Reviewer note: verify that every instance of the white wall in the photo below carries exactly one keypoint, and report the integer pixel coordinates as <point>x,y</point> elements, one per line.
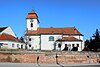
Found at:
<point>69,42</point>
<point>42,42</point>
<point>46,44</point>
<point>35,42</point>
<point>9,31</point>
<point>35,24</point>
<point>8,45</point>
<point>79,37</point>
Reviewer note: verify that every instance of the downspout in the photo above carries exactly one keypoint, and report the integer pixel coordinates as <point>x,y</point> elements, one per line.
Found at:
<point>81,45</point>
<point>40,41</point>
<point>61,41</point>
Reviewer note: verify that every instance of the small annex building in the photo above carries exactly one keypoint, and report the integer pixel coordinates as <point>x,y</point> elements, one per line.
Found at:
<point>8,39</point>
<point>37,38</point>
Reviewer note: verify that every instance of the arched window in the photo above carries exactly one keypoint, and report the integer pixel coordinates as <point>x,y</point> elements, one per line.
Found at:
<point>51,38</point>
<point>31,24</point>
<point>59,45</point>
<point>77,45</point>
<point>29,39</point>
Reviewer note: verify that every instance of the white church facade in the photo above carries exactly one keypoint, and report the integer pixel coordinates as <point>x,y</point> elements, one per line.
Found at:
<point>37,38</point>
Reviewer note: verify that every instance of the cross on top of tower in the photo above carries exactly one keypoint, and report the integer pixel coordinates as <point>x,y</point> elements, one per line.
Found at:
<point>32,11</point>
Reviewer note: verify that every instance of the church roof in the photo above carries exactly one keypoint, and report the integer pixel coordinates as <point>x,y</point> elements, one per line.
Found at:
<point>8,37</point>
<point>70,38</point>
<point>68,31</point>
<point>2,28</point>
<point>31,15</point>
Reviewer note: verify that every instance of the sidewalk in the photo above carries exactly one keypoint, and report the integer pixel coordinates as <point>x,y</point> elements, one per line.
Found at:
<point>46,65</point>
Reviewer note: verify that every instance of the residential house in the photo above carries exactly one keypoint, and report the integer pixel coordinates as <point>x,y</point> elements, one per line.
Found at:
<point>8,39</point>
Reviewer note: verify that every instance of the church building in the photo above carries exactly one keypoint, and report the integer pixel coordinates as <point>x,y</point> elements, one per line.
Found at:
<point>37,38</point>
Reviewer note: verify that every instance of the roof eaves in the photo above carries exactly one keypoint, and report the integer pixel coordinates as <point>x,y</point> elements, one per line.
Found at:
<point>2,28</point>
<point>68,40</point>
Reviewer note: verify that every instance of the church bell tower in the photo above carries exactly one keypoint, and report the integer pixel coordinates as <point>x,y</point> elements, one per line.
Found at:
<point>32,21</point>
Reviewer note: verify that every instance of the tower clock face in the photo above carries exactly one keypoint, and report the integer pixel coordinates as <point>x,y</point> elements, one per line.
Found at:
<point>31,20</point>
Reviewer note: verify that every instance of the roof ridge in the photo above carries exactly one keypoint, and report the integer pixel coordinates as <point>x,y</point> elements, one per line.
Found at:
<point>57,27</point>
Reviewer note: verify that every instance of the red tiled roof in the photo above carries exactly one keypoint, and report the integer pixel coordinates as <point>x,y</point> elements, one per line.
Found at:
<point>8,37</point>
<point>68,31</point>
<point>31,15</point>
<point>70,38</point>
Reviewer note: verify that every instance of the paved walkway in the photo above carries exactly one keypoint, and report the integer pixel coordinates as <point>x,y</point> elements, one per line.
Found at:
<point>46,65</point>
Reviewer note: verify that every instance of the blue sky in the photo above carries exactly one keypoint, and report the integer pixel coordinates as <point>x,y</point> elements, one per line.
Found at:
<point>83,14</point>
